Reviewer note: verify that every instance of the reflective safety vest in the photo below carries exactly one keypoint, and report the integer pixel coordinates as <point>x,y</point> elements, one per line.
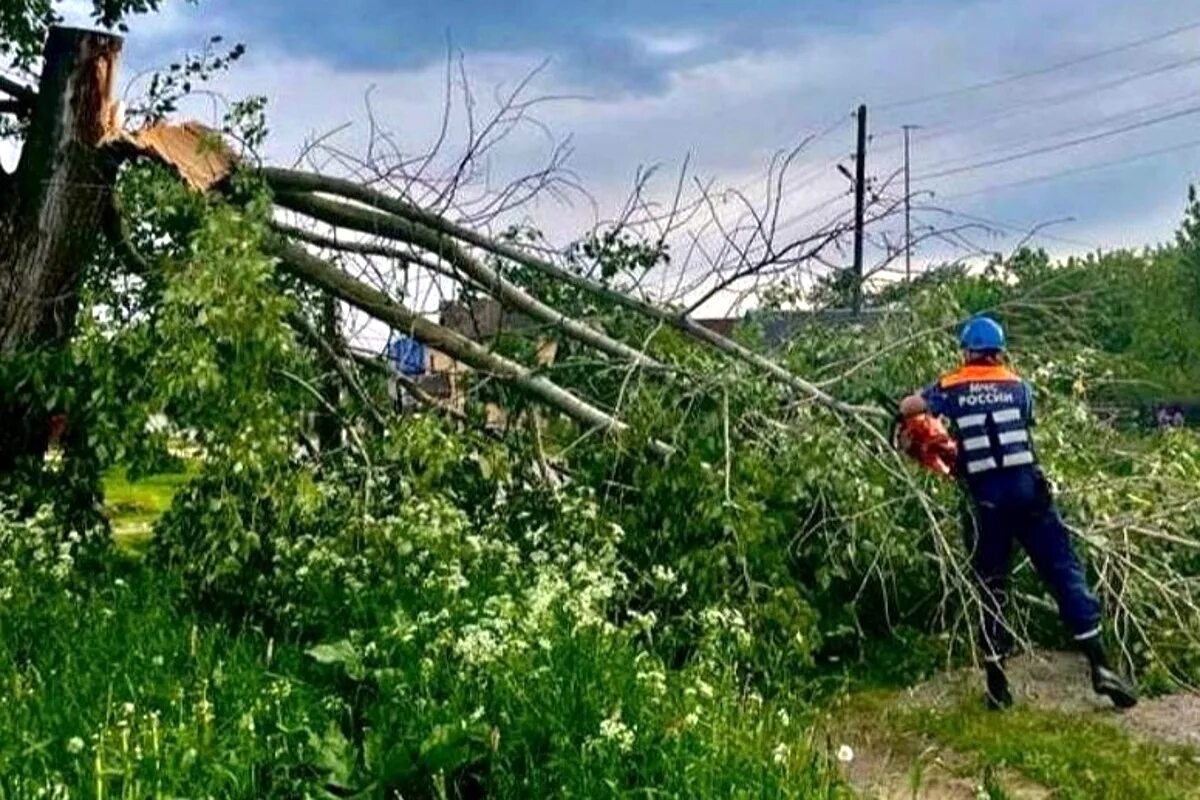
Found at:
<point>991,409</point>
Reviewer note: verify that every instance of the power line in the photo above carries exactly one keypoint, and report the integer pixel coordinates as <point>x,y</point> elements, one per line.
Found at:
<point>1076,170</point>
<point>1087,126</point>
<point>1060,146</point>
<point>947,127</point>
<point>1073,94</point>
<point>1001,81</point>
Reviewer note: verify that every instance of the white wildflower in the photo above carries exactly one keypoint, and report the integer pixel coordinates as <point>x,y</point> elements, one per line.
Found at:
<point>75,745</point>
<point>845,754</point>
<point>784,718</point>
<point>644,623</point>
<point>780,754</point>
<point>614,730</point>
<point>478,645</point>
<point>663,575</point>
<point>654,679</point>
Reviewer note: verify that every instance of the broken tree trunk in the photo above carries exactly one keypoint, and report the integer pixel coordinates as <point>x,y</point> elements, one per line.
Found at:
<point>51,213</point>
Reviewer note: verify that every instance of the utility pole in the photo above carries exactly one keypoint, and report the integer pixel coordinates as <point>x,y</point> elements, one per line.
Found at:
<point>860,189</point>
<point>907,211</point>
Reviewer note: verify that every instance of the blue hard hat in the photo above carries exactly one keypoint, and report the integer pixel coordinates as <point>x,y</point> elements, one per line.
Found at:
<point>982,333</point>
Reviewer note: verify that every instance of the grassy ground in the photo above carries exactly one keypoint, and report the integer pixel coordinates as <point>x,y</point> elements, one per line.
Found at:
<point>116,684</point>
<point>936,750</point>
<point>133,506</point>
<point>1078,757</point>
<point>963,750</point>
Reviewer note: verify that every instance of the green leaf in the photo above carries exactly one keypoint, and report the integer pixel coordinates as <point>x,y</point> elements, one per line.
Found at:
<point>340,653</point>
<point>449,748</point>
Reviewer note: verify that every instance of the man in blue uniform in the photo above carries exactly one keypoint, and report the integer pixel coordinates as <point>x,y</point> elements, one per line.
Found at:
<point>990,409</point>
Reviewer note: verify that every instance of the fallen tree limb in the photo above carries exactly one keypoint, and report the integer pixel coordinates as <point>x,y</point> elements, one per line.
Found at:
<point>447,410</point>
<point>388,226</point>
<point>367,249</point>
<point>288,180</point>
<point>369,300</point>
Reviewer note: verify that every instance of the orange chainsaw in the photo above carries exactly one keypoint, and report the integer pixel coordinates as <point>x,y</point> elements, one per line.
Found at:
<point>925,439</point>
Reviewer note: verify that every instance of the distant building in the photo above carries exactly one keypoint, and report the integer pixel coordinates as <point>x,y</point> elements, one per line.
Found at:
<point>443,377</point>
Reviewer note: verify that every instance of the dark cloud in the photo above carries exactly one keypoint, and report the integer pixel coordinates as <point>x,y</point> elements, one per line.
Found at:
<point>593,46</point>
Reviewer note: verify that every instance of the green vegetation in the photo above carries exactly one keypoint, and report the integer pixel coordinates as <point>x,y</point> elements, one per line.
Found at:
<point>412,608</point>
<point>420,614</point>
<point>1082,756</point>
<point>1083,759</point>
<point>134,505</point>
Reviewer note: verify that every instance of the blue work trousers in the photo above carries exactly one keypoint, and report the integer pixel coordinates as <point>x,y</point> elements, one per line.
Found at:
<point>1015,504</point>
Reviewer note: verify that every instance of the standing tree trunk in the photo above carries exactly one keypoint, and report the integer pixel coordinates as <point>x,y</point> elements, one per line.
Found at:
<point>329,424</point>
<point>51,213</point>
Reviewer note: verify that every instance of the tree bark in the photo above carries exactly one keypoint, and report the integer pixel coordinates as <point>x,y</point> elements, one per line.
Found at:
<point>289,180</point>
<point>470,269</point>
<point>329,424</point>
<point>51,213</point>
<point>319,273</point>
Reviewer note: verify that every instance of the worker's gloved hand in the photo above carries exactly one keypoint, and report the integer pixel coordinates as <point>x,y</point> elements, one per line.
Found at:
<point>925,439</point>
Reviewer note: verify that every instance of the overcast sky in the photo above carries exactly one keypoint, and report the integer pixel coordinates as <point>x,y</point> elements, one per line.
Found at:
<point>731,83</point>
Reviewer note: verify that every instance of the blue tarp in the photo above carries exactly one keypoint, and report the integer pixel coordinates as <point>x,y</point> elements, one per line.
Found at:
<point>406,355</point>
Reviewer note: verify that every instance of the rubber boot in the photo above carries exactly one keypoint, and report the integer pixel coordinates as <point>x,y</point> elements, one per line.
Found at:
<point>1105,679</point>
<point>998,695</point>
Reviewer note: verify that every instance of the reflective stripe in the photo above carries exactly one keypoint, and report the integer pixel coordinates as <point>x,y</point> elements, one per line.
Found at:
<point>1006,415</point>
<point>993,659</point>
<point>1018,459</point>
<point>977,373</point>
<point>976,443</point>
<point>982,465</point>
<point>971,420</point>
<point>1012,437</point>
<point>1093,632</point>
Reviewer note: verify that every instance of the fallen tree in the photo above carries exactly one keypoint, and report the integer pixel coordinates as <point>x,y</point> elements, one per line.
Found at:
<point>61,200</point>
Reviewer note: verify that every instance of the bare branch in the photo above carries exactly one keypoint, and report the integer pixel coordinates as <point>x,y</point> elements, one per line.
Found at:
<point>290,180</point>
<point>344,215</point>
<point>18,91</point>
<point>320,273</point>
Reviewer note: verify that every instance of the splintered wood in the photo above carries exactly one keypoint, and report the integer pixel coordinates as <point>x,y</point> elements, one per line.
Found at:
<point>197,153</point>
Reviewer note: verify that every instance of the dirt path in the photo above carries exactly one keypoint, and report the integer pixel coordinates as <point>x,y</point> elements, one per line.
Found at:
<point>1059,682</point>
<point>890,766</point>
<point>887,768</point>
